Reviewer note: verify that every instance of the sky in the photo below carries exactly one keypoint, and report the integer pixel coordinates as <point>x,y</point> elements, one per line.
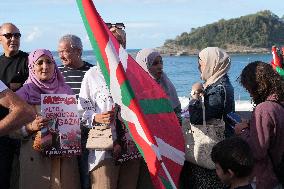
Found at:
<point>148,22</point>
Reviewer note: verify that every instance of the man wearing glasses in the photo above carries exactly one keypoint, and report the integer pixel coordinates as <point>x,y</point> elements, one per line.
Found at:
<point>13,73</point>
<point>117,30</point>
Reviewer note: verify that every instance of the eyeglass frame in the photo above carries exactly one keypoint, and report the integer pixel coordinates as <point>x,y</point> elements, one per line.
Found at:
<point>11,35</point>
<point>118,25</point>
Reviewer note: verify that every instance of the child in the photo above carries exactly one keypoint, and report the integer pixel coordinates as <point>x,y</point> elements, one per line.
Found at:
<point>196,90</point>
<point>234,162</point>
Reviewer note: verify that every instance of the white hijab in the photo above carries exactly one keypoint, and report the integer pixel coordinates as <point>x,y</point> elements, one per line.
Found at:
<point>145,58</point>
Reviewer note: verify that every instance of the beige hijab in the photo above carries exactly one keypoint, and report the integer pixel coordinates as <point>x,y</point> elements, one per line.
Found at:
<point>217,64</point>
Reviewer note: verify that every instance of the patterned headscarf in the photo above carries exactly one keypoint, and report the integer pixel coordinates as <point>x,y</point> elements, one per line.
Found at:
<point>217,64</point>
<point>145,58</point>
<point>33,87</point>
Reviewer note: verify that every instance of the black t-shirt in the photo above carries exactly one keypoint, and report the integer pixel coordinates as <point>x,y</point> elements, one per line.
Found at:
<point>13,72</point>
<point>14,69</point>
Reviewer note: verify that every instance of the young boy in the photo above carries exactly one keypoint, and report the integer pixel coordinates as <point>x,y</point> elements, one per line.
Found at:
<point>234,163</point>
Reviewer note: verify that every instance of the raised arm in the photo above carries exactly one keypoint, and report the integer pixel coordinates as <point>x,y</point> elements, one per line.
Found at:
<point>20,112</point>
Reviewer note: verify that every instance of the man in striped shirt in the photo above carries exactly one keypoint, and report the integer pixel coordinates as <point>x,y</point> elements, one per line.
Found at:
<point>70,51</point>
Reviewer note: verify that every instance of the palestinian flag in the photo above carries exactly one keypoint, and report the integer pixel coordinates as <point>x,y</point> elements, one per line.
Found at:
<point>145,107</point>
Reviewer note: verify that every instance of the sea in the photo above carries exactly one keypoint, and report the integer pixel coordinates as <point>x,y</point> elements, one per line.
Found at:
<point>183,71</point>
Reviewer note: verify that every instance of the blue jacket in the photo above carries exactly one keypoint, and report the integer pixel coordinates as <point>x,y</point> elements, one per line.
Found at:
<point>214,97</point>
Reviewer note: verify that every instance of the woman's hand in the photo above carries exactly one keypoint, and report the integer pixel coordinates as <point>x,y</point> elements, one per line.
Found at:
<point>104,118</point>
<point>37,124</point>
<point>239,127</point>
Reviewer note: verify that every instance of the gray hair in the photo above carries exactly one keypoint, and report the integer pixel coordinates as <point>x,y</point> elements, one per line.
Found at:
<point>74,41</point>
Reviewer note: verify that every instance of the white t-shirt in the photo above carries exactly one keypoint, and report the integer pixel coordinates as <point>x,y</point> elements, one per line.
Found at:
<point>2,86</point>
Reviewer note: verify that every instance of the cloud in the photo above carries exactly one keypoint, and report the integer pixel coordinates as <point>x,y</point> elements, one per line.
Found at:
<point>139,25</point>
<point>145,1</point>
<point>55,1</point>
<point>34,34</point>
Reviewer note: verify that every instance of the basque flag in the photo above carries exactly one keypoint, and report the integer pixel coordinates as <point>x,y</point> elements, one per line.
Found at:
<point>145,107</point>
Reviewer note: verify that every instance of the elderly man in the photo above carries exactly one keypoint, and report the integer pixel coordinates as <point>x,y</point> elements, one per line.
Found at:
<point>13,63</point>
<point>70,50</point>
<point>13,73</point>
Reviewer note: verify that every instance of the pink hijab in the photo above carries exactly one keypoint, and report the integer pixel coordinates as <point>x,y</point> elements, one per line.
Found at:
<point>33,87</point>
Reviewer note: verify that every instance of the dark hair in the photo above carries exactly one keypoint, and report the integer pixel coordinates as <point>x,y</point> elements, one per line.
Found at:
<point>235,154</point>
<point>260,80</point>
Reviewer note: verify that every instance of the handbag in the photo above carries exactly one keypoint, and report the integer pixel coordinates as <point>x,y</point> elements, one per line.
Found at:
<point>200,139</point>
<point>100,138</point>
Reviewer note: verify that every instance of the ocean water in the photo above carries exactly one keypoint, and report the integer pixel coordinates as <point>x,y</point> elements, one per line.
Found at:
<point>183,70</point>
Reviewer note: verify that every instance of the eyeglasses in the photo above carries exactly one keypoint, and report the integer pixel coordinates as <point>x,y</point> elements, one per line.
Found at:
<point>10,35</point>
<point>116,25</point>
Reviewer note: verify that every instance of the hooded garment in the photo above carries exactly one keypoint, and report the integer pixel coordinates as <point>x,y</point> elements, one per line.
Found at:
<point>145,58</point>
<point>217,64</point>
<point>33,87</point>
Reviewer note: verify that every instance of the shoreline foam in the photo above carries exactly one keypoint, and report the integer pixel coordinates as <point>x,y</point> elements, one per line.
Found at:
<point>241,105</point>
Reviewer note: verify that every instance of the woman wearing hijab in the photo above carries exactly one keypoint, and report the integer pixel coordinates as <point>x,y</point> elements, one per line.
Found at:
<point>213,64</point>
<point>36,170</point>
<point>151,61</point>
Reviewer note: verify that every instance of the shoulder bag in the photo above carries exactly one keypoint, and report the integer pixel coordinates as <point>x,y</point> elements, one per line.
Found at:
<point>200,139</point>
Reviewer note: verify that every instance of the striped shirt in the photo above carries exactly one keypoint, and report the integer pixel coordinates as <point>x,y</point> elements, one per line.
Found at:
<point>74,77</point>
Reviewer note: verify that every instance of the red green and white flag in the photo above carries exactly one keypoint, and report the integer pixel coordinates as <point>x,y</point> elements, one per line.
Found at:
<point>145,107</point>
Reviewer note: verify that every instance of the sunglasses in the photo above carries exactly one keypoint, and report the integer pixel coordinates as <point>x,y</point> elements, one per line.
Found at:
<point>116,25</point>
<point>10,35</point>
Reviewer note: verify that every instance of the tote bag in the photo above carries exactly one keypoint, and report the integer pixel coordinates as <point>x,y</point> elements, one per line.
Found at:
<point>200,139</point>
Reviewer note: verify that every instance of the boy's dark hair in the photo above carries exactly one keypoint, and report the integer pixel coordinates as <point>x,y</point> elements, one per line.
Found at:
<point>235,154</point>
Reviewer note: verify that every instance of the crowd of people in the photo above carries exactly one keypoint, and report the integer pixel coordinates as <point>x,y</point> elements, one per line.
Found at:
<point>250,155</point>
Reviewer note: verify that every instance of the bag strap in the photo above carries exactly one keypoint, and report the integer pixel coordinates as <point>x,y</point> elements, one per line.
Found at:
<point>203,106</point>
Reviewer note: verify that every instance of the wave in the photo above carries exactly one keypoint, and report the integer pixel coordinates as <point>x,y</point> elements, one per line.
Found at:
<point>241,105</point>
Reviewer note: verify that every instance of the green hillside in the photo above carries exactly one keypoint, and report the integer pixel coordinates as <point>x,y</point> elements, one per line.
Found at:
<point>260,30</point>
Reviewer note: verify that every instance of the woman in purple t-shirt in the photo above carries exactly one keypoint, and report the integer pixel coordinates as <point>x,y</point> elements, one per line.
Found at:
<point>264,132</point>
